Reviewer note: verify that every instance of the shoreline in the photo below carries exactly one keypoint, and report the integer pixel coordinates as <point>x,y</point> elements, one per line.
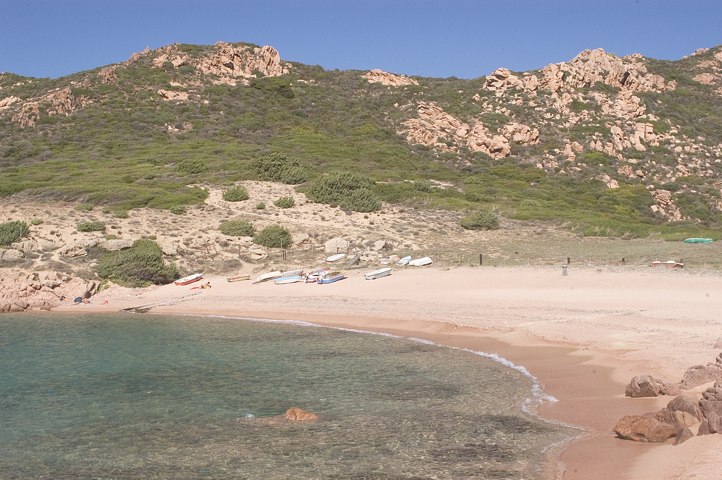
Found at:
<point>558,328</point>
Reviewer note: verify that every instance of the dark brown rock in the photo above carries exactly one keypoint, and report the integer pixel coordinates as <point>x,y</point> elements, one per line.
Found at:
<point>644,428</point>
<point>686,403</point>
<point>701,374</point>
<point>643,386</point>
<point>683,435</point>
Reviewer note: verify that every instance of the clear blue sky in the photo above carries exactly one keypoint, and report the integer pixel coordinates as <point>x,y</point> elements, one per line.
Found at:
<point>462,38</point>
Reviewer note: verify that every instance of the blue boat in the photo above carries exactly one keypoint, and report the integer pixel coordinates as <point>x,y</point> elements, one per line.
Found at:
<point>331,278</point>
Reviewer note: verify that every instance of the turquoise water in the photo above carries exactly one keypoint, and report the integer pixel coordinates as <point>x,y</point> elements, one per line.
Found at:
<point>145,396</point>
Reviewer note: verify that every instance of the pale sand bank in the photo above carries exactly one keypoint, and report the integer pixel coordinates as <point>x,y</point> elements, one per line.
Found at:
<point>583,335</point>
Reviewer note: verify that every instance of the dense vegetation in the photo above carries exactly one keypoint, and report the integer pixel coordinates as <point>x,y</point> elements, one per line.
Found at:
<point>237,228</point>
<point>335,135</point>
<point>13,231</point>
<point>273,236</point>
<point>138,266</point>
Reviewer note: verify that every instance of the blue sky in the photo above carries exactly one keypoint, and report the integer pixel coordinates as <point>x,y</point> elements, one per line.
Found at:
<point>462,38</point>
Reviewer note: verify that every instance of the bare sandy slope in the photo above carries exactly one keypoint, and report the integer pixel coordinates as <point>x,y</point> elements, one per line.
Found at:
<point>583,335</point>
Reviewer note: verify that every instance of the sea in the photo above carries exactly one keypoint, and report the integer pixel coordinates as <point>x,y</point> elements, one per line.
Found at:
<point>132,396</point>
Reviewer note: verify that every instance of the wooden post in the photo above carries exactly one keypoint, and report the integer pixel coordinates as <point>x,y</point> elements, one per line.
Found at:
<point>481,259</point>
<point>569,260</point>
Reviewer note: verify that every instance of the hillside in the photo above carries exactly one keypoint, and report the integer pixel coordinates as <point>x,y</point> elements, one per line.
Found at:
<point>602,144</point>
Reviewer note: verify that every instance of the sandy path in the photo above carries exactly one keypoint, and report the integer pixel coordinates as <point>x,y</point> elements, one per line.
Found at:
<point>583,335</point>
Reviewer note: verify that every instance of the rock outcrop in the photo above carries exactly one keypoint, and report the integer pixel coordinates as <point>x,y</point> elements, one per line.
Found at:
<point>20,291</point>
<point>388,79</point>
<point>645,386</point>
<point>230,62</point>
<point>700,374</point>
<point>684,416</point>
<point>54,103</point>
<point>438,129</point>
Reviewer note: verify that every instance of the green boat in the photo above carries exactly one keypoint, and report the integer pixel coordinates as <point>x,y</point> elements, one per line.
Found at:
<point>698,240</point>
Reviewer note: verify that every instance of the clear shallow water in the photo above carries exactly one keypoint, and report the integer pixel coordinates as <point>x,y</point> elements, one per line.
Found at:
<point>144,396</point>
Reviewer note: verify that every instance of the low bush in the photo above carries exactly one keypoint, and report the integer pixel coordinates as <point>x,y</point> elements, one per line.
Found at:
<point>11,232</point>
<point>274,236</point>
<point>347,190</point>
<point>235,194</point>
<point>140,265</point>
<point>260,206</point>
<point>237,228</point>
<point>480,220</point>
<point>276,167</point>
<point>178,209</point>
<point>36,221</point>
<point>93,226</point>
<point>192,167</point>
<point>285,202</point>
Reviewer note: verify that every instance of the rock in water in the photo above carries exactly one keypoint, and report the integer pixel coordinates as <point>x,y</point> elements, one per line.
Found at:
<point>295,414</point>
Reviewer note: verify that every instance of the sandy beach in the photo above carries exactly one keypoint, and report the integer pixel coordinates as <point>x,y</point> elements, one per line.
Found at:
<point>583,335</point>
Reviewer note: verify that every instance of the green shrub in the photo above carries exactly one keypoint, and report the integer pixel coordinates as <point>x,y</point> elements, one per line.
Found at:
<point>93,226</point>
<point>178,209</point>
<point>192,167</point>
<point>285,202</point>
<point>235,194</point>
<point>348,190</point>
<point>140,265</point>
<point>237,228</point>
<point>276,167</point>
<point>260,206</point>
<point>480,220</point>
<point>84,207</point>
<point>36,221</point>
<point>11,232</point>
<point>274,236</point>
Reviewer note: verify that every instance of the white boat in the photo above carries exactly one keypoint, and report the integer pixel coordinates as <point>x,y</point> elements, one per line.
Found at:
<point>335,258</point>
<point>289,279</point>
<point>189,279</point>
<point>268,276</point>
<point>317,273</point>
<point>668,264</point>
<point>420,262</point>
<point>380,273</point>
<point>385,261</point>
<point>404,261</point>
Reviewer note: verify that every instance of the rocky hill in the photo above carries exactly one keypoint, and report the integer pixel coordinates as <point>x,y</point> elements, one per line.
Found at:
<point>605,144</point>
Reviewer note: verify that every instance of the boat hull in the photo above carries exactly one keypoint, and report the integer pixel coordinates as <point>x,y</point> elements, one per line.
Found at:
<point>189,279</point>
<point>380,273</point>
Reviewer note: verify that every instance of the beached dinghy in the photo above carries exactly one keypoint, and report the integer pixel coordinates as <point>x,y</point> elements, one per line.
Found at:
<point>238,278</point>
<point>267,276</point>
<point>420,262</point>
<point>380,273</point>
<point>698,240</point>
<point>353,260</point>
<point>335,258</point>
<point>289,279</point>
<point>668,264</point>
<point>330,278</point>
<point>317,273</point>
<point>404,261</point>
<point>189,279</point>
